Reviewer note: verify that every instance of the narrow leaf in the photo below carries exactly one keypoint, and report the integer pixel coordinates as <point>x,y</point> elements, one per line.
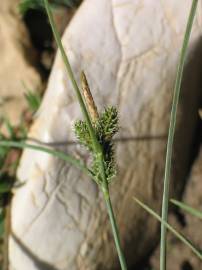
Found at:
<point>188,208</point>
<point>171,133</point>
<point>56,153</point>
<point>33,99</point>
<point>187,242</point>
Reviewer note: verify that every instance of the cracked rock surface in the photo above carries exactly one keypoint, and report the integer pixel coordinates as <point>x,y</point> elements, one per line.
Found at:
<point>129,50</point>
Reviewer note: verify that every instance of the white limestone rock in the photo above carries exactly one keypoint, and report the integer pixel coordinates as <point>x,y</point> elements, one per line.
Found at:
<point>129,51</point>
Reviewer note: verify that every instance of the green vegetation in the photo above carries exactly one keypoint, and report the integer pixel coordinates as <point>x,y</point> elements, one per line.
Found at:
<point>9,159</point>
<point>190,210</point>
<point>26,5</point>
<point>187,242</point>
<point>33,100</point>
<point>95,132</point>
<point>102,150</point>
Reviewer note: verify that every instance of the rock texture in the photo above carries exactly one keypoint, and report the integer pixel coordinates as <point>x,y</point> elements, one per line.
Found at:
<point>15,68</point>
<point>129,50</point>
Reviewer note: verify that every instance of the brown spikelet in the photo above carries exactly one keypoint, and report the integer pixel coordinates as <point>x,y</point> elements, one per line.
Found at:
<point>89,98</point>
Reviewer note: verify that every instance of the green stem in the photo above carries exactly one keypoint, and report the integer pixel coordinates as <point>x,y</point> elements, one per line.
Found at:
<point>171,135</point>
<point>98,150</point>
<point>77,163</point>
<point>71,75</point>
<point>114,229</point>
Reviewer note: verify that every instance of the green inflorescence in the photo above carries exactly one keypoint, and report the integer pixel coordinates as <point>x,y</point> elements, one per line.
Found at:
<point>106,126</point>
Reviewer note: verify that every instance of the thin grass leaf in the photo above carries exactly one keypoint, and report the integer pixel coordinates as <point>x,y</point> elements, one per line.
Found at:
<point>187,242</point>
<point>173,117</point>
<point>187,208</point>
<point>61,155</point>
<point>3,153</point>
<point>23,130</point>
<point>9,128</point>
<point>33,100</point>
<point>71,77</point>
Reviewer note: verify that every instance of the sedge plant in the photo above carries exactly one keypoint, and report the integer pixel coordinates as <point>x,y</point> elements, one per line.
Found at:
<point>95,132</point>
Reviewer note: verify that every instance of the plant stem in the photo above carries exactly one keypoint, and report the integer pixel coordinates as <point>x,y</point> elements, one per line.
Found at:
<point>71,75</point>
<point>96,145</point>
<point>114,230</point>
<point>171,135</point>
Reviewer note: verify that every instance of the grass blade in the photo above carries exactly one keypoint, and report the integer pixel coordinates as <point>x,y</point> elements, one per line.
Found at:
<point>187,242</point>
<point>187,208</point>
<point>173,117</point>
<point>61,155</point>
<point>33,100</point>
<point>71,76</point>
